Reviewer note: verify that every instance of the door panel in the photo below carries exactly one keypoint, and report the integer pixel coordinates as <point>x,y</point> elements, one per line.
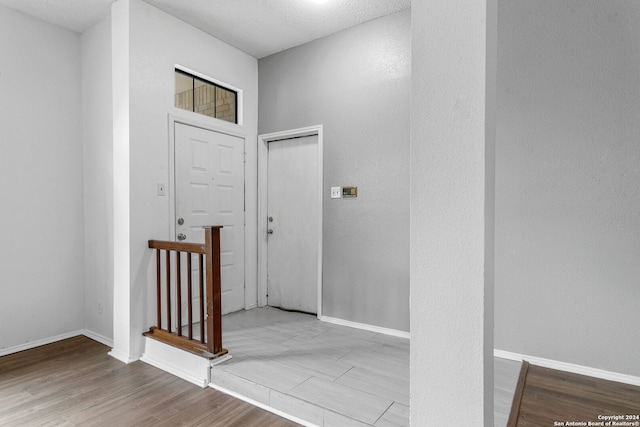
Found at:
<point>293,206</point>
<point>209,173</point>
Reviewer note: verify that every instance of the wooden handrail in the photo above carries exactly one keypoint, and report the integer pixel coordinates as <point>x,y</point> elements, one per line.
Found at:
<point>196,248</point>
<point>210,343</point>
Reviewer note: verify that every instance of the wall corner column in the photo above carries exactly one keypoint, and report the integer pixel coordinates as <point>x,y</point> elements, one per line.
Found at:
<point>452,204</point>
<point>122,348</point>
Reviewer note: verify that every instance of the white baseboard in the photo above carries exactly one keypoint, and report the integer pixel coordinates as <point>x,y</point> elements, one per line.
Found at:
<point>569,367</point>
<point>262,406</point>
<point>123,357</point>
<point>366,327</point>
<point>38,343</point>
<point>175,361</point>
<point>173,370</point>
<point>97,337</point>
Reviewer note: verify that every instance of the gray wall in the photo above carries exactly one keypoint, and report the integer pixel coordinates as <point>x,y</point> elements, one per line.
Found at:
<point>357,84</point>
<point>40,181</point>
<point>97,151</point>
<point>144,82</point>
<point>567,182</point>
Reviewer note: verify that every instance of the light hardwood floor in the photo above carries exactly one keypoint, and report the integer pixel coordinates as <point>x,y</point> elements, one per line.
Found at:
<point>551,397</point>
<point>75,383</point>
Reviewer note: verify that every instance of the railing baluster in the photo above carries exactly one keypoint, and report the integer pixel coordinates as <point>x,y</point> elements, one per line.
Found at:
<point>189,297</point>
<point>158,289</point>
<point>168,278</point>
<point>178,295</point>
<point>202,299</point>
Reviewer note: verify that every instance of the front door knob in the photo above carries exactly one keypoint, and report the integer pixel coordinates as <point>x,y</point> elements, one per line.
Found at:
<point>269,231</point>
<point>182,236</point>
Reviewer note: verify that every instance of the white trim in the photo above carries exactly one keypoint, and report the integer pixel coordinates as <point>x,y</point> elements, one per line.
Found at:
<point>239,92</point>
<point>219,360</point>
<point>366,327</point>
<point>97,337</point>
<point>173,370</point>
<point>33,344</point>
<point>263,152</point>
<point>262,406</point>
<point>569,367</point>
<point>171,191</point>
<point>123,357</point>
<point>38,343</point>
<point>182,364</point>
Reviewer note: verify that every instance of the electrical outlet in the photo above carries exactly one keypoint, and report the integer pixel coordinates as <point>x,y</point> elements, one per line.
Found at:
<point>336,192</point>
<point>99,307</point>
<point>162,189</point>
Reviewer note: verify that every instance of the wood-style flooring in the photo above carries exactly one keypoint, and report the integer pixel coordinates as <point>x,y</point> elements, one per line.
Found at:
<point>75,383</point>
<point>547,397</point>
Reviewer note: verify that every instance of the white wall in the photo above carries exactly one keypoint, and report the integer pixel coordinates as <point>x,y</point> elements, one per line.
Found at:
<point>158,41</point>
<point>97,140</point>
<point>40,181</point>
<point>452,110</point>
<point>568,182</point>
<point>355,83</point>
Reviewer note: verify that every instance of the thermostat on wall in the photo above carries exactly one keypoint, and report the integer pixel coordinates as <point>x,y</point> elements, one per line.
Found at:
<point>349,191</point>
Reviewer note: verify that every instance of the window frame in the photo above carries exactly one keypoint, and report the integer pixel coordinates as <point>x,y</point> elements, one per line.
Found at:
<point>217,84</point>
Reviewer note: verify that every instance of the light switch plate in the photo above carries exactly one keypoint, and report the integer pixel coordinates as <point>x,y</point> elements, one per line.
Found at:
<point>336,192</point>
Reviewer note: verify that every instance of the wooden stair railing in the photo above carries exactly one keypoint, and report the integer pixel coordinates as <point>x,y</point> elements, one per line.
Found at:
<point>209,344</point>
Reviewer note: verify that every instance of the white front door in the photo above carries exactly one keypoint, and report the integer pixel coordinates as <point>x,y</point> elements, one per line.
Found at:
<point>209,185</point>
<point>293,212</point>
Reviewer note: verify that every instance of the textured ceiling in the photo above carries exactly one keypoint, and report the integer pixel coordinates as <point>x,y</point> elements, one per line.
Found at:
<point>258,27</point>
<point>75,15</point>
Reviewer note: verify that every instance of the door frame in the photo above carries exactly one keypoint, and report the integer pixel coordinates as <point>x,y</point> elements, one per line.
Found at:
<point>224,128</point>
<point>263,153</point>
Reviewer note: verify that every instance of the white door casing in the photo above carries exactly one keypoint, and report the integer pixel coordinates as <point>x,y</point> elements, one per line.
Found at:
<point>209,190</point>
<point>279,254</point>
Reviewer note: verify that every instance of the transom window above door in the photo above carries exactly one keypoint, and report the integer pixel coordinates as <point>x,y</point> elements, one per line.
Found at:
<point>205,97</point>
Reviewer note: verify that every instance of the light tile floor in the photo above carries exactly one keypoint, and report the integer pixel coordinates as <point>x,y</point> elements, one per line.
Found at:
<point>327,374</point>
<point>505,378</point>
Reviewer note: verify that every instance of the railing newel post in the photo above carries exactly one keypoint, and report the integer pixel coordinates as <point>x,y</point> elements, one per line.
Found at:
<point>214,292</point>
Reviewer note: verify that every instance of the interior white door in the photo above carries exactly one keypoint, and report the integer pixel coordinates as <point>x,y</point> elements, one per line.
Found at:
<point>209,190</point>
<point>293,207</point>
